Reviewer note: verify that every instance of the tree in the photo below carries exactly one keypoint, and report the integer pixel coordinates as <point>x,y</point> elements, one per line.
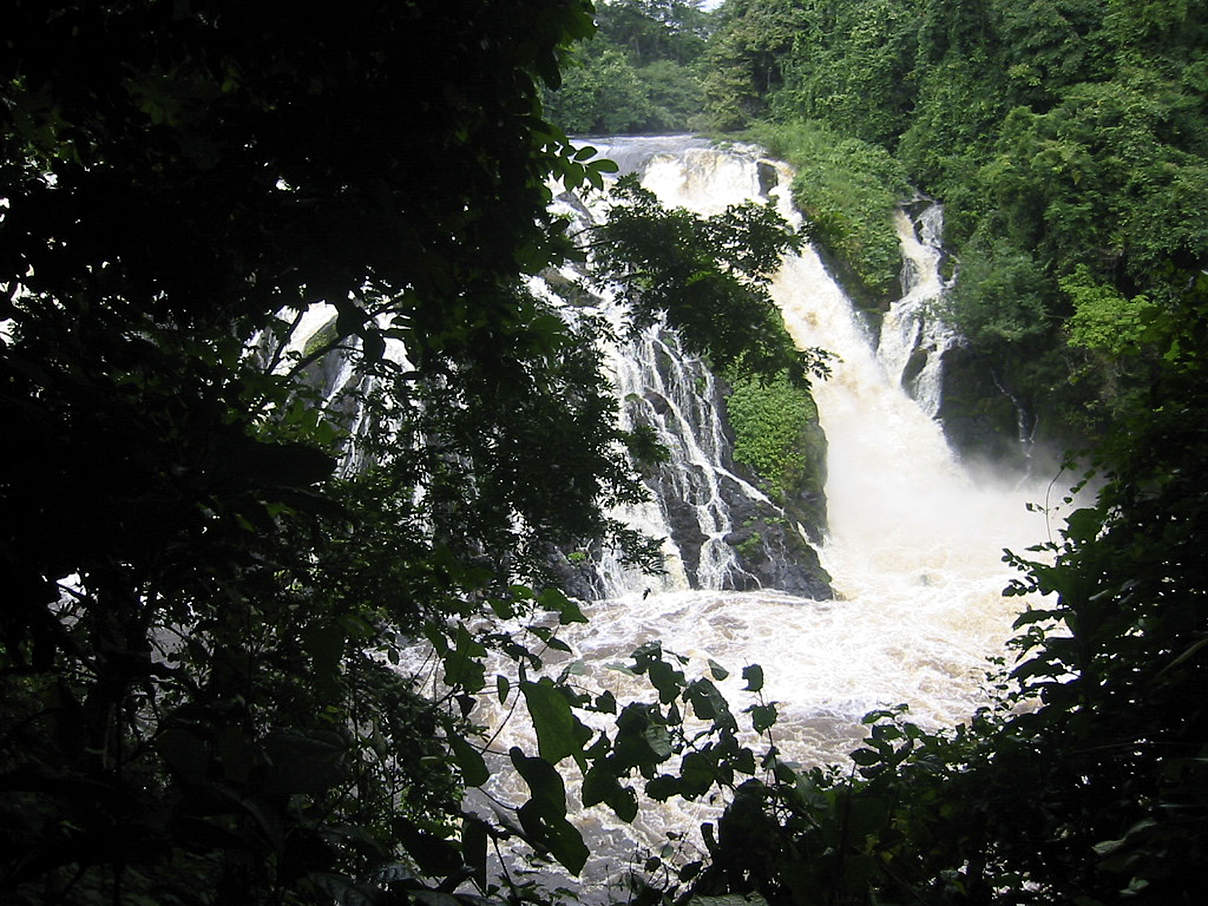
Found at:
<point>638,74</point>
<point>746,55</point>
<point>214,562</point>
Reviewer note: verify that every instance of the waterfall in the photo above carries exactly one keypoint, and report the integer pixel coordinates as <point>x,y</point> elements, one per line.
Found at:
<point>660,387</point>
<point>719,531</point>
<point>914,543</point>
<point>913,340</point>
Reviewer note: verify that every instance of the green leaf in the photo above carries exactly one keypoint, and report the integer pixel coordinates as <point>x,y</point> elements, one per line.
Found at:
<point>1033,615</point>
<point>502,687</point>
<point>559,732</point>
<point>754,677</point>
<point>546,789</point>
<point>554,600</point>
<point>600,784</point>
<point>474,832</point>
<point>543,817</point>
<point>709,704</point>
<point>763,717</point>
<point>667,680</point>
<point>642,739</point>
<point>1084,524</point>
<point>463,666</point>
<point>662,787</point>
<point>469,760</point>
<point>717,671</point>
<point>697,773</point>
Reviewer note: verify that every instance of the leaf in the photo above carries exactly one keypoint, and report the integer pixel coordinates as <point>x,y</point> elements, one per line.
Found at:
<point>600,784</point>
<point>349,319</point>
<point>502,687</point>
<point>559,732</point>
<point>709,704</point>
<point>754,677</point>
<point>763,717</point>
<point>697,773</point>
<point>717,671</point>
<point>1084,524</point>
<point>642,739</point>
<point>554,599</point>
<point>667,680</point>
<point>474,771</point>
<point>543,817</point>
<point>435,856</point>
<point>474,832</point>
<point>373,346</point>
<point>690,871</point>
<point>866,757</point>
<point>463,666</point>
<point>1033,615</point>
<point>744,762</point>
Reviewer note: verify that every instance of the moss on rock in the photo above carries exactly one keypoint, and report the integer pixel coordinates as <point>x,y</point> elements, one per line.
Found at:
<point>778,438</point>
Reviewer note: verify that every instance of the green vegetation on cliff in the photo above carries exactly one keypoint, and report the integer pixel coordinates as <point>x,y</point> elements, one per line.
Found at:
<point>775,425</point>
<point>847,189</point>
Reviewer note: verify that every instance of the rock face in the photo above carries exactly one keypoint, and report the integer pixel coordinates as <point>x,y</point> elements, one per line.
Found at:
<point>724,525</point>
<point>981,420</point>
<point>770,548</point>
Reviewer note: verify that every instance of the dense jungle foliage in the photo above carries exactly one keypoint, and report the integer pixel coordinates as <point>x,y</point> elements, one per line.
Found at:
<point>199,700</point>
<point>641,72</point>
<point>213,577</point>
<point>1068,141</point>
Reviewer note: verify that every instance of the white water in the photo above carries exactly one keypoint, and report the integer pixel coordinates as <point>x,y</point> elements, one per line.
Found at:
<point>909,328</point>
<point>914,545</point>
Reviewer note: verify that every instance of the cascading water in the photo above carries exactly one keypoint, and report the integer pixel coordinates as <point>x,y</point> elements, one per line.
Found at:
<point>913,546</point>
<point>661,387</point>
<point>719,531</point>
<point>914,543</point>
<point>913,340</point>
